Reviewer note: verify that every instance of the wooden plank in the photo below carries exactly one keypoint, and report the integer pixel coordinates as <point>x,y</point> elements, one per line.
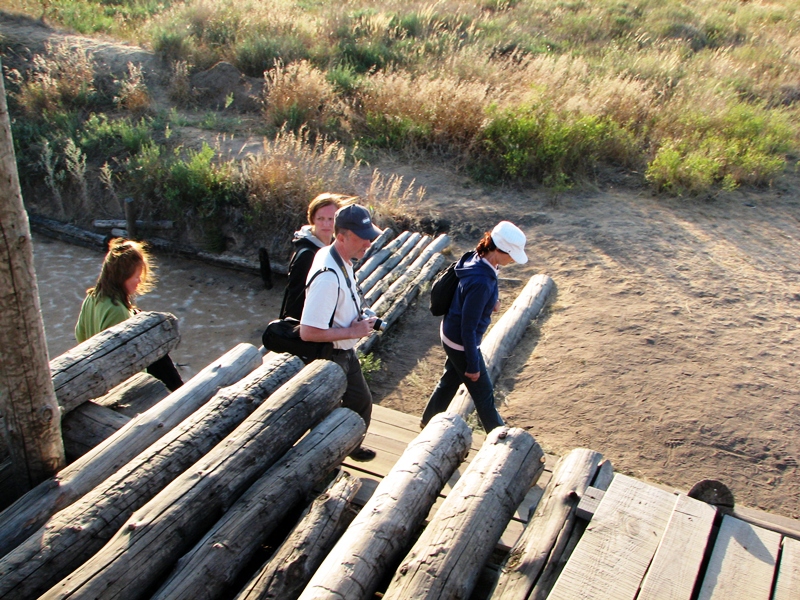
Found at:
<point>676,565</point>
<point>742,563</point>
<point>612,557</point>
<point>788,584</point>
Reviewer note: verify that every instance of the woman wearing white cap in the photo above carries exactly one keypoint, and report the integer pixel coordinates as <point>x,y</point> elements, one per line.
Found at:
<point>470,313</point>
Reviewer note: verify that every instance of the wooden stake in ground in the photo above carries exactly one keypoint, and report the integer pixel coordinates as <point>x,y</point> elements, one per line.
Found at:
<point>387,524</point>
<point>27,398</point>
<point>288,571</point>
<point>153,538</point>
<point>549,529</point>
<point>219,557</point>
<point>74,534</point>
<point>504,336</point>
<point>446,560</point>
<point>31,511</point>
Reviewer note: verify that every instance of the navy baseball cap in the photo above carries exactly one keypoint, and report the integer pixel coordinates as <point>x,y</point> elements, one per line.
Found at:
<point>356,218</point>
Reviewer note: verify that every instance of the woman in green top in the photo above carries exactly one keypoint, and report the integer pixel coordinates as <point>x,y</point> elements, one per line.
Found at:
<point>127,270</point>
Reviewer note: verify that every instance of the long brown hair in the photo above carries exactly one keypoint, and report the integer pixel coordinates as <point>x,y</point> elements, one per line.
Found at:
<point>120,264</point>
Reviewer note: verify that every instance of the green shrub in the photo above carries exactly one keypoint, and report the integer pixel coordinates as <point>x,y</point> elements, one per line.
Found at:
<point>102,137</point>
<point>256,54</point>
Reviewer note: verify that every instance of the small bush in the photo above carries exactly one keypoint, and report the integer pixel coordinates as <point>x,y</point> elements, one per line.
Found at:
<point>102,137</point>
<point>133,95</point>
<point>259,53</point>
<point>299,94</point>
<point>61,79</point>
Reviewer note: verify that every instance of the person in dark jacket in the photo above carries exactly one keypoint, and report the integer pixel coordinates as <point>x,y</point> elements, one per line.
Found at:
<point>470,313</point>
<point>310,238</point>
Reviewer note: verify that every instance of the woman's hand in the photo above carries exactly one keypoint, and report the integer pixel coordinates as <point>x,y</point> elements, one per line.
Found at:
<point>496,306</point>
<point>473,376</point>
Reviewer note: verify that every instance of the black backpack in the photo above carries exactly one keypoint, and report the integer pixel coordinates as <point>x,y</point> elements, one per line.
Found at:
<point>443,289</point>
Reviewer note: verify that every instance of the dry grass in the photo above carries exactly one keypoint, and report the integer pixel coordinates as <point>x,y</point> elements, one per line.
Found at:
<point>132,94</point>
<point>299,94</point>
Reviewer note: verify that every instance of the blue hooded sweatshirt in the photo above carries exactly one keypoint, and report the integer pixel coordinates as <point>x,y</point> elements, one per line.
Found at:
<point>471,311</point>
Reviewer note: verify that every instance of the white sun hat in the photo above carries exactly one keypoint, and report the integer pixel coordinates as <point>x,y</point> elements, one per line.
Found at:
<point>510,239</point>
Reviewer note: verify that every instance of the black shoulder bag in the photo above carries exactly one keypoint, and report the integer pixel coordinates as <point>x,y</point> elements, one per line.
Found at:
<point>283,335</point>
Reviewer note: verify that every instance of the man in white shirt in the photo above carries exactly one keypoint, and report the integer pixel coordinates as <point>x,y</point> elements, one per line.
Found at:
<point>335,292</point>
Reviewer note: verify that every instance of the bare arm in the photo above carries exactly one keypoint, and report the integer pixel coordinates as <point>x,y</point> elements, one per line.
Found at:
<point>357,329</point>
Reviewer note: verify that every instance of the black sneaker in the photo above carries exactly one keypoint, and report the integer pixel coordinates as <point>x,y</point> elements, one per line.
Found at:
<point>362,454</point>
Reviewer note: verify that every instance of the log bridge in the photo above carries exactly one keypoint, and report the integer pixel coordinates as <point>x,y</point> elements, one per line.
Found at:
<point>239,485</point>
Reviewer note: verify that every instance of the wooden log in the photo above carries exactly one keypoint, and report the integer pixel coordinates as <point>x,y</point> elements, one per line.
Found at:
<point>66,233</point>
<point>205,571</point>
<point>122,223</point>
<point>553,568</point>
<point>368,266</point>
<point>134,395</point>
<point>31,511</point>
<point>380,294</point>
<point>503,337</point>
<point>385,527</point>
<point>87,426</point>
<point>104,360</point>
<point>130,218</point>
<point>550,527</point>
<point>169,525</point>
<point>74,534</point>
<point>394,273</point>
<point>32,426</point>
<point>390,263</point>
<point>447,559</point>
<point>377,244</point>
<point>401,304</point>
<point>787,585</point>
<point>288,571</point>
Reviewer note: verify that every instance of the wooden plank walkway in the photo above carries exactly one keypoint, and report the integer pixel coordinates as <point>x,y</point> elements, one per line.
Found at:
<point>642,543</point>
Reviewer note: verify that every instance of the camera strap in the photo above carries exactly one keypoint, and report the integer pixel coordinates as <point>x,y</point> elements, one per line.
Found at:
<point>340,262</point>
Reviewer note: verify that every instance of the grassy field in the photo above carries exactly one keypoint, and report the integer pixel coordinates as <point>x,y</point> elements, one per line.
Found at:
<point>694,97</point>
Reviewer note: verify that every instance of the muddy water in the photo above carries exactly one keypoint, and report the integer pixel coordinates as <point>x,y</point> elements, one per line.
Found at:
<point>216,308</point>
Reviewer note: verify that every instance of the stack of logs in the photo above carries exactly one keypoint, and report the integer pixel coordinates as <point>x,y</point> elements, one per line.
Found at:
<point>179,500</point>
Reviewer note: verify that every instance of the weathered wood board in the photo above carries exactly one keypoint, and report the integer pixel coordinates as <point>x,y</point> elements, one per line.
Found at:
<point>615,551</point>
<point>676,565</point>
<point>742,564</point>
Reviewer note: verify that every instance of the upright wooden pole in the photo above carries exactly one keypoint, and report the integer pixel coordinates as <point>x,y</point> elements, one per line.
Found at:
<point>27,398</point>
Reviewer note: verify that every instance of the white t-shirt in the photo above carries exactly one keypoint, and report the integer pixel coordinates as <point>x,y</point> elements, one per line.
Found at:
<point>323,290</point>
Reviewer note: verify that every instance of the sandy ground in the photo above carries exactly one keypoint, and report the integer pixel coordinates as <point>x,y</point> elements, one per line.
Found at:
<point>670,342</point>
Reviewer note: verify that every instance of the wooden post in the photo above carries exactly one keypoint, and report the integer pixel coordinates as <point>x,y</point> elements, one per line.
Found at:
<point>225,550</point>
<point>288,571</point>
<point>130,219</point>
<point>60,546</point>
<point>386,526</point>
<point>31,511</point>
<point>105,360</point>
<point>503,337</point>
<point>447,558</point>
<point>549,529</point>
<point>154,537</point>
<point>27,399</point>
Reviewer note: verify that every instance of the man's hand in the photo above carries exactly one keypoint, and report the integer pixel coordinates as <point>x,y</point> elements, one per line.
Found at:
<point>363,327</point>
<point>473,376</point>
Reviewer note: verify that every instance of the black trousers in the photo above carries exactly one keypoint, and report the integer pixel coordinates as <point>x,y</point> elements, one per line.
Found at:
<point>165,370</point>
<point>357,396</point>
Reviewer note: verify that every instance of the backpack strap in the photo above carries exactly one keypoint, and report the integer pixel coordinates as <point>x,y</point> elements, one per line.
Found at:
<point>340,262</point>
<point>314,276</point>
